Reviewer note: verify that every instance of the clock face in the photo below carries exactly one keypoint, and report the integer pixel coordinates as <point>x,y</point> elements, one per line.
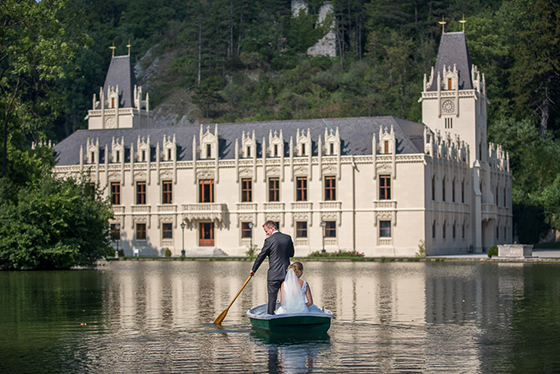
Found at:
<point>448,106</point>
<point>110,123</point>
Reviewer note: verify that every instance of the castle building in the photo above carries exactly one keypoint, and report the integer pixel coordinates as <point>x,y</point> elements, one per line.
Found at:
<point>383,186</point>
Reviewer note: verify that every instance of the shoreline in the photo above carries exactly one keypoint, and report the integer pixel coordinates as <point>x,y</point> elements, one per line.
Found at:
<point>539,256</point>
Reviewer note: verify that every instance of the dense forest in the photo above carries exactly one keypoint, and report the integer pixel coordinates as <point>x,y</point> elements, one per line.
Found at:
<point>239,60</point>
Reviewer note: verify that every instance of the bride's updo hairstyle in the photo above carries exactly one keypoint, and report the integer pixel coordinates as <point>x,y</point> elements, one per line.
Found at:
<point>297,267</point>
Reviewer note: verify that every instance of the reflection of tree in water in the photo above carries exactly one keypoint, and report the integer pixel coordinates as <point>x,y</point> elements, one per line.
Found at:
<point>292,354</point>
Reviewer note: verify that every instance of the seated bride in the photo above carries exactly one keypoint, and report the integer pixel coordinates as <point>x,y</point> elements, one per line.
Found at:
<point>294,292</point>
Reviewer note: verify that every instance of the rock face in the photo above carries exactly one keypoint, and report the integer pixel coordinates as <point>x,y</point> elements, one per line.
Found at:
<point>326,46</point>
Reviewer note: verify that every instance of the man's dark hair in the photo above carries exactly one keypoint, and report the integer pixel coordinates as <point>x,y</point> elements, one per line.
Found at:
<point>271,225</point>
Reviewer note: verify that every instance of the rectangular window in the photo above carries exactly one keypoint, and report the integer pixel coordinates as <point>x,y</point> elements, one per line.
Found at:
<point>246,231</point>
<point>167,230</point>
<point>330,229</point>
<point>274,189</point>
<point>330,188</point>
<point>497,196</point>
<point>497,232</point>
<point>384,187</point>
<point>463,232</point>
<point>141,193</point>
<point>169,154</point>
<point>143,156</point>
<point>275,150</point>
<point>434,230</point>
<point>443,228</point>
<point>208,150</point>
<point>449,84</point>
<point>117,156</point>
<point>206,191</point>
<point>505,205</point>
<point>453,190</point>
<point>454,233</point>
<point>303,149</point>
<point>248,151</point>
<point>301,189</point>
<point>443,189</point>
<point>384,229</point>
<point>332,149</point>
<point>386,147</point>
<point>463,192</point>
<point>140,231</point>
<point>301,230</point>
<point>433,188</point>
<point>167,191</point>
<point>115,193</point>
<point>246,190</point>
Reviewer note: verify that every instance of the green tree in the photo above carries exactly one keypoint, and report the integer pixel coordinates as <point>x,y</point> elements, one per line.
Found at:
<point>52,224</point>
<point>34,49</point>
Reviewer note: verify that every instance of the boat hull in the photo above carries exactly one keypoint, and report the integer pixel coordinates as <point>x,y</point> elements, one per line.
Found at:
<point>315,322</point>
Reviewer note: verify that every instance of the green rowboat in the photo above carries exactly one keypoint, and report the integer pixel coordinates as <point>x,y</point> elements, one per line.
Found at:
<point>316,321</point>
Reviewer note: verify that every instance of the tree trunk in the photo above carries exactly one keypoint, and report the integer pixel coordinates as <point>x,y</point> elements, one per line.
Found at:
<point>199,49</point>
<point>544,119</point>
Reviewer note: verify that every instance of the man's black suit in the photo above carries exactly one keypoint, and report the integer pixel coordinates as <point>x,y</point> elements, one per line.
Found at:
<point>278,248</point>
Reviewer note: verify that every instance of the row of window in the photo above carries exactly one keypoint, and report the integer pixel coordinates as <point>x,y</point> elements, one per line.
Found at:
<point>206,190</point>
<point>453,198</point>
<point>207,230</point>
<point>444,230</point>
<point>443,191</point>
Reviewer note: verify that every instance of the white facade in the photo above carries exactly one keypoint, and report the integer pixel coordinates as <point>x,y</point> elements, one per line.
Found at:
<point>382,186</point>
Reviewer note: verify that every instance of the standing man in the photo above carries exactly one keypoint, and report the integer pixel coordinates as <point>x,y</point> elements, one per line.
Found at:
<point>278,248</point>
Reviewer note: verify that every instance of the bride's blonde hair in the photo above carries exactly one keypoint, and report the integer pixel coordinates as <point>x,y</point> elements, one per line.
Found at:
<point>297,267</point>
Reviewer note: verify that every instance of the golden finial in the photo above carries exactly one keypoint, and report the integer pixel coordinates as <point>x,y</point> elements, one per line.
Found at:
<point>463,21</point>
<point>113,49</point>
<point>442,23</point>
<point>128,45</point>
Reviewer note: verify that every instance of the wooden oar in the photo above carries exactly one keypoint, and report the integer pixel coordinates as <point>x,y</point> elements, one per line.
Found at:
<point>222,315</point>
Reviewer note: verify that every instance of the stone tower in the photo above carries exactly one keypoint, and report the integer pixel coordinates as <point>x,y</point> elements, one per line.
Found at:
<point>120,103</point>
<point>454,103</point>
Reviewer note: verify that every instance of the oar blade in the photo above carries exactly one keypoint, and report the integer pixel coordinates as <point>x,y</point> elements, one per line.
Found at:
<point>221,317</point>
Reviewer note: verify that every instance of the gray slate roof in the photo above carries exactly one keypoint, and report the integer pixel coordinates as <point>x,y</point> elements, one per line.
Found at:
<point>453,50</point>
<point>121,73</point>
<point>356,135</point>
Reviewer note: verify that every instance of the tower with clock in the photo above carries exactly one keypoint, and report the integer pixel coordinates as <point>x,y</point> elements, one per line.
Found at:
<point>454,107</point>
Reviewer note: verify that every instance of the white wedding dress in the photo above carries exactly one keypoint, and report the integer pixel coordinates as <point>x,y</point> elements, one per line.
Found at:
<point>293,295</point>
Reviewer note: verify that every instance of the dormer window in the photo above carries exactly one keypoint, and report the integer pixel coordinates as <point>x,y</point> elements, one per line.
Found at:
<point>248,151</point>
<point>332,149</point>
<point>92,157</point>
<point>386,143</point>
<point>169,154</point>
<point>117,156</point>
<point>208,150</point>
<point>143,156</point>
<point>449,84</point>
<point>275,150</point>
<point>303,149</point>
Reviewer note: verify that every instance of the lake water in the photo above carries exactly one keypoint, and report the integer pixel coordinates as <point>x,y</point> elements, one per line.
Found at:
<point>139,316</point>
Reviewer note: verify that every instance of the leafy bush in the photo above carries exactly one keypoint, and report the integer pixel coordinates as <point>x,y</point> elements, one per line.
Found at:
<point>252,251</point>
<point>167,252</point>
<point>493,251</point>
<point>421,249</point>
<point>52,224</point>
